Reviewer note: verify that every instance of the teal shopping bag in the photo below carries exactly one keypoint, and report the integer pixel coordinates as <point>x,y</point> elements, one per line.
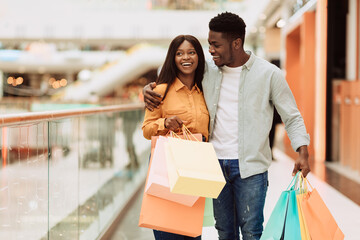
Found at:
<point>282,219</point>
<point>292,224</point>
<point>275,225</point>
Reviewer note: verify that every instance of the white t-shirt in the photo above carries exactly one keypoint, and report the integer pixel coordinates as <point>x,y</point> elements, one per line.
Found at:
<point>225,134</point>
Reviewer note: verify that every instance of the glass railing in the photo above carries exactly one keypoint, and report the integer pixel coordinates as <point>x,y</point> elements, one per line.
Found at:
<point>68,174</point>
<point>9,105</point>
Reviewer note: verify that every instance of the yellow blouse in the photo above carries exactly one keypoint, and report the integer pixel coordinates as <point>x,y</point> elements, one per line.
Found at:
<point>188,105</point>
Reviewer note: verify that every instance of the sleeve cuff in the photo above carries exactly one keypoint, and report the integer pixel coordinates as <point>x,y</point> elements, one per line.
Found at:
<point>161,124</point>
<point>300,141</point>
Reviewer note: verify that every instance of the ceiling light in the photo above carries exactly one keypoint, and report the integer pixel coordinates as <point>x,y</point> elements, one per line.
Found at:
<point>281,23</point>
<point>10,80</point>
<point>19,81</point>
<point>63,82</point>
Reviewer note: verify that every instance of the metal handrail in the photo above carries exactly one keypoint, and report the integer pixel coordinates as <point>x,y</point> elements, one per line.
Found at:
<point>33,117</point>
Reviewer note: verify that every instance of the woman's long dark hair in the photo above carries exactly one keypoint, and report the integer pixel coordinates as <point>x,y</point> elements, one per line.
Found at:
<point>169,70</point>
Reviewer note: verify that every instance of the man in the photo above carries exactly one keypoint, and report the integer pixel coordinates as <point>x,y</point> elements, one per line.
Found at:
<point>241,91</point>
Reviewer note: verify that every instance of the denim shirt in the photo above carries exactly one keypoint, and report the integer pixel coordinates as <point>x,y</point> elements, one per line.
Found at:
<point>262,86</point>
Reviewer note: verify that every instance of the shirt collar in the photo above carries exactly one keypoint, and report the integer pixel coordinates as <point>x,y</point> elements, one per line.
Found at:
<point>250,61</point>
<point>179,85</point>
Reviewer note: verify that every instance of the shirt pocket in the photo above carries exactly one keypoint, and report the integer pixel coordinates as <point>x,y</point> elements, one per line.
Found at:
<point>181,113</point>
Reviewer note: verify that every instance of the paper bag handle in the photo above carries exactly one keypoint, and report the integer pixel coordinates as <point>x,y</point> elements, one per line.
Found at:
<point>187,133</point>
<point>303,183</point>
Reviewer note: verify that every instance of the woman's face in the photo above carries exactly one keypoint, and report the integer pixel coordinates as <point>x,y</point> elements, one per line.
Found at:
<point>186,59</point>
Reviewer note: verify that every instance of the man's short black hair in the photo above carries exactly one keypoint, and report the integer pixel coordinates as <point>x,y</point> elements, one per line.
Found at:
<point>231,25</point>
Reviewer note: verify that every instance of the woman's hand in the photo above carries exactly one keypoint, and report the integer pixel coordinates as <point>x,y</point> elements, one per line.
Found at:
<point>152,99</point>
<point>173,123</point>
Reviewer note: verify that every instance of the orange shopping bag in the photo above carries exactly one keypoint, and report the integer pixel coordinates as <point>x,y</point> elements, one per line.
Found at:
<point>158,180</point>
<point>160,214</point>
<point>321,224</point>
<point>304,230</point>
<point>300,194</point>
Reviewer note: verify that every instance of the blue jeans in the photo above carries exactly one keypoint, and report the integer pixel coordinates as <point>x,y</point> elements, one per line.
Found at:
<point>160,235</point>
<point>240,204</point>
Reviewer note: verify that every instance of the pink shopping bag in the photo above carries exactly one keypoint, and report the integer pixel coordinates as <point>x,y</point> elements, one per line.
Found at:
<point>158,181</point>
<point>160,214</point>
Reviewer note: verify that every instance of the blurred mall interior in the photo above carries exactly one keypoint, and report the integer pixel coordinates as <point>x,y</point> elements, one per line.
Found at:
<point>73,157</point>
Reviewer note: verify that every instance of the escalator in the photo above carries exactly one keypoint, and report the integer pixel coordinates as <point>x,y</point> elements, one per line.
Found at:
<point>132,65</point>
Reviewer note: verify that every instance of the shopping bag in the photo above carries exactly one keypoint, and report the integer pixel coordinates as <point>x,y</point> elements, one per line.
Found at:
<point>160,214</point>
<point>209,220</point>
<point>193,168</point>
<point>321,224</point>
<point>303,225</point>
<point>292,224</point>
<point>300,194</point>
<point>158,181</point>
<point>275,225</point>
<point>282,219</point>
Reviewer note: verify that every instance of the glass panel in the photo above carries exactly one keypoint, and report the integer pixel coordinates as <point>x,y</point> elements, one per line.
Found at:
<point>89,181</point>
<point>23,182</point>
<point>107,131</point>
<point>135,162</point>
<point>63,179</point>
<point>72,184</point>
<point>112,149</point>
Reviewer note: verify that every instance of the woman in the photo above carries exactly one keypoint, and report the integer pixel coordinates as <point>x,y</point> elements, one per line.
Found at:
<point>179,83</point>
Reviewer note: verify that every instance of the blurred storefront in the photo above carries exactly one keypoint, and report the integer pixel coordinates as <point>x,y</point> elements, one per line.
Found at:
<point>317,44</point>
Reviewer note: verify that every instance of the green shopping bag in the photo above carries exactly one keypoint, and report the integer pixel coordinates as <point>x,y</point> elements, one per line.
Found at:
<point>284,220</point>
<point>275,225</point>
<point>209,220</point>
<point>292,224</point>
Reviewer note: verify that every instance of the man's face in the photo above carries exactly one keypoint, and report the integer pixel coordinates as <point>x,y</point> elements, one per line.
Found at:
<point>220,48</point>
